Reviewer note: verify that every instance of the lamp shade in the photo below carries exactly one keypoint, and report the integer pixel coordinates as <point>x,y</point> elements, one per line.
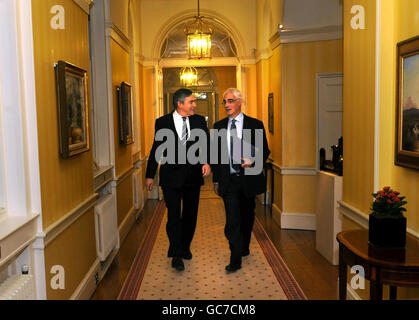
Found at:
<point>199,39</point>
<point>189,77</point>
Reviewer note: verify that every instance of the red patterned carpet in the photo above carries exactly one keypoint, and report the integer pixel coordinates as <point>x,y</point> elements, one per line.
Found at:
<point>264,275</point>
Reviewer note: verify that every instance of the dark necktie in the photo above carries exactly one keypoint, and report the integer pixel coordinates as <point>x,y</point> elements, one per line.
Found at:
<point>233,137</point>
<point>184,137</point>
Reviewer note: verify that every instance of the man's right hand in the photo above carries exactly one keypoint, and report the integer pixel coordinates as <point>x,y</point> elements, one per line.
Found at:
<point>149,183</point>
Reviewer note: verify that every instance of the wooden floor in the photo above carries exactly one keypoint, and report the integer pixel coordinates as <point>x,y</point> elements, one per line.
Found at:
<point>315,275</point>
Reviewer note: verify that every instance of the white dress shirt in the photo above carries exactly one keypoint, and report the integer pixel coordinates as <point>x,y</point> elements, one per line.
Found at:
<point>239,127</point>
<point>178,119</point>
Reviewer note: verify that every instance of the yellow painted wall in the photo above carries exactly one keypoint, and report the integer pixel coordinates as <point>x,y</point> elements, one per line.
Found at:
<point>226,78</point>
<point>75,250</point>
<point>119,14</point>
<point>296,188</point>
<point>141,112</point>
<point>64,183</point>
<point>275,87</point>
<point>399,22</point>
<point>124,198</point>
<point>358,104</point>
<point>149,107</point>
<point>251,89</point>
<point>120,72</point>
<point>123,154</point>
<point>301,63</point>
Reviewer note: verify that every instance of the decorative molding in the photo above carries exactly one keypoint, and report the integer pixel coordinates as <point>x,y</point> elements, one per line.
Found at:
<point>181,17</point>
<point>116,34</point>
<point>290,171</point>
<point>124,175</point>
<point>102,177</point>
<point>85,5</point>
<point>126,224</point>
<point>275,40</point>
<point>362,218</point>
<point>263,54</point>
<point>311,34</point>
<point>17,233</point>
<point>294,171</point>
<point>136,157</point>
<point>353,214</point>
<point>176,62</point>
<point>276,214</point>
<point>55,229</point>
<point>298,221</point>
<point>88,285</point>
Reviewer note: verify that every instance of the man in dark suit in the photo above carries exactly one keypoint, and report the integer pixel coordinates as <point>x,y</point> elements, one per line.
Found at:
<point>233,181</point>
<point>179,178</point>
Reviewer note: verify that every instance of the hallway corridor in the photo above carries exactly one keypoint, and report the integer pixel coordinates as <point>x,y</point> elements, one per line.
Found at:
<point>204,276</point>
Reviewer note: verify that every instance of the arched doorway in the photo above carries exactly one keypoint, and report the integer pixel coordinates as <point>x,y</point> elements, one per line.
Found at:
<point>212,80</point>
<point>212,83</point>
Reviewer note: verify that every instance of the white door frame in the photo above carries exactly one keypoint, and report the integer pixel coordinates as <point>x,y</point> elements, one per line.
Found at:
<point>318,77</point>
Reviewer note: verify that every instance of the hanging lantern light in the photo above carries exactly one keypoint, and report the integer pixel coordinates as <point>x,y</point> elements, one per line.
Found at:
<point>189,77</point>
<point>199,38</point>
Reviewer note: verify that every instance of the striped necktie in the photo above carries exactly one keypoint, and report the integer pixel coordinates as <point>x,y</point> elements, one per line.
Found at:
<point>184,131</point>
<point>233,137</point>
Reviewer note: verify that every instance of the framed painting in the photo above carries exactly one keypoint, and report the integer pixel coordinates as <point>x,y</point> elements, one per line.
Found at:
<point>72,98</point>
<point>407,104</point>
<point>271,113</point>
<point>126,135</point>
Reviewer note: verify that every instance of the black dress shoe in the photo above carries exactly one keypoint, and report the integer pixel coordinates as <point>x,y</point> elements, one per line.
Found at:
<point>245,253</point>
<point>233,268</point>
<point>177,263</point>
<point>187,255</point>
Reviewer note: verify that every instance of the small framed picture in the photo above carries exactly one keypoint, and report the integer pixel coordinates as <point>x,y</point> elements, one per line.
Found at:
<point>407,104</point>
<point>126,135</point>
<point>271,113</point>
<point>73,110</point>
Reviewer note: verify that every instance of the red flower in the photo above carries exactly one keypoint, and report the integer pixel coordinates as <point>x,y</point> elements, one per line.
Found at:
<point>386,188</point>
<point>396,199</point>
<point>389,201</point>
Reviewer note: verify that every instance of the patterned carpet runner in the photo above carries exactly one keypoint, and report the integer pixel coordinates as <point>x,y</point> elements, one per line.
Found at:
<point>264,275</point>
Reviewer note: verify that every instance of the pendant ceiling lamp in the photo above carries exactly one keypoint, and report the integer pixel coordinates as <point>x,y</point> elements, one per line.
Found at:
<point>199,38</point>
<point>189,77</point>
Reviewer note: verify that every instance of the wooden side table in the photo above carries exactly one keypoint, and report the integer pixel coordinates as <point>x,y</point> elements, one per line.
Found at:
<point>393,267</point>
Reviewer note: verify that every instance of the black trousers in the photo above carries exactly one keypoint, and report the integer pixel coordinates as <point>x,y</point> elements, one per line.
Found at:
<point>240,216</point>
<point>182,211</point>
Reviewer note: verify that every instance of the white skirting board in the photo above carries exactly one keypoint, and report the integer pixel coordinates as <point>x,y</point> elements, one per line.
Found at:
<point>298,221</point>
<point>88,285</point>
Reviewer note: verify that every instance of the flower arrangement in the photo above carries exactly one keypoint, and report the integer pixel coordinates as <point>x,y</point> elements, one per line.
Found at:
<point>387,203</point>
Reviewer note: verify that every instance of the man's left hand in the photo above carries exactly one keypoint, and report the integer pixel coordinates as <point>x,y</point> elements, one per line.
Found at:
<point>206,170</point>
<point>246,163</point>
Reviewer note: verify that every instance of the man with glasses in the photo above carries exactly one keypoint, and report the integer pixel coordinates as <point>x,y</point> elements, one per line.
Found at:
<point>181,182</point>
<point>238,188</point>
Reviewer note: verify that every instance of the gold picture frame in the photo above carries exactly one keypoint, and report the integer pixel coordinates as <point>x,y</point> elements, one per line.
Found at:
<point>73,109</point>
<point>126,133</point>
<point>271,113</point>
<point>407,104</point>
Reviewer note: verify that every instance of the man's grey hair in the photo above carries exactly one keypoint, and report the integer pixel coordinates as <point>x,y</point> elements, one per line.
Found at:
<point>236,92</point>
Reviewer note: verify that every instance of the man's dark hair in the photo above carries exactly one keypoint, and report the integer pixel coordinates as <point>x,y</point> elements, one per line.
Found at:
<point>180,95</point>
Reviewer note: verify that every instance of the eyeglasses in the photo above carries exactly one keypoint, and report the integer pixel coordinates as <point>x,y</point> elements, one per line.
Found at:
<point>229,101</point>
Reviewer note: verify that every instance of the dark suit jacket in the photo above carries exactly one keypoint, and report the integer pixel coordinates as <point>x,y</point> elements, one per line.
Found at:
<point>254,184</point>
<point>176,175</point>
